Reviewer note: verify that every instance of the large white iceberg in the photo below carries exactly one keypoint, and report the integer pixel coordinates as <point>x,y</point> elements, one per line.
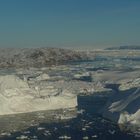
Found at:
<point>124,107</point>
<point>17,97</point>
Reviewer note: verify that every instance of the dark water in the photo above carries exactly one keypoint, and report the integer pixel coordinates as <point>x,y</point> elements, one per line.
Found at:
<point>48,125</point>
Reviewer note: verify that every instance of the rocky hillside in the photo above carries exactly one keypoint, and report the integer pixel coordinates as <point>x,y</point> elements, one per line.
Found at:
<point>36,57</point>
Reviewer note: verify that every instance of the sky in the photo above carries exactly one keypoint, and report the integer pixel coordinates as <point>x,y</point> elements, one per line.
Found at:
<point>77,24</point>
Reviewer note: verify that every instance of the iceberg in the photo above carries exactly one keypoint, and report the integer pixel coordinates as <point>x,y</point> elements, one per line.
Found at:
<point>128,84</point>
<point>16,96</point>
<point>43,76</point>
<point>124,107</point>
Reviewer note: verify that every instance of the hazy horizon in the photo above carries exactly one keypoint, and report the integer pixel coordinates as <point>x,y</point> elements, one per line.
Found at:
<point>76,24</point>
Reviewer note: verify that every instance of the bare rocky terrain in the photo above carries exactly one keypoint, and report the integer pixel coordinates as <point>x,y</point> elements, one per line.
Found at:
<point>37,57</point>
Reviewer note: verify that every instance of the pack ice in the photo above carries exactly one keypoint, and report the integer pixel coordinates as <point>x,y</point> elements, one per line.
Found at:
<point>16,96</point>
